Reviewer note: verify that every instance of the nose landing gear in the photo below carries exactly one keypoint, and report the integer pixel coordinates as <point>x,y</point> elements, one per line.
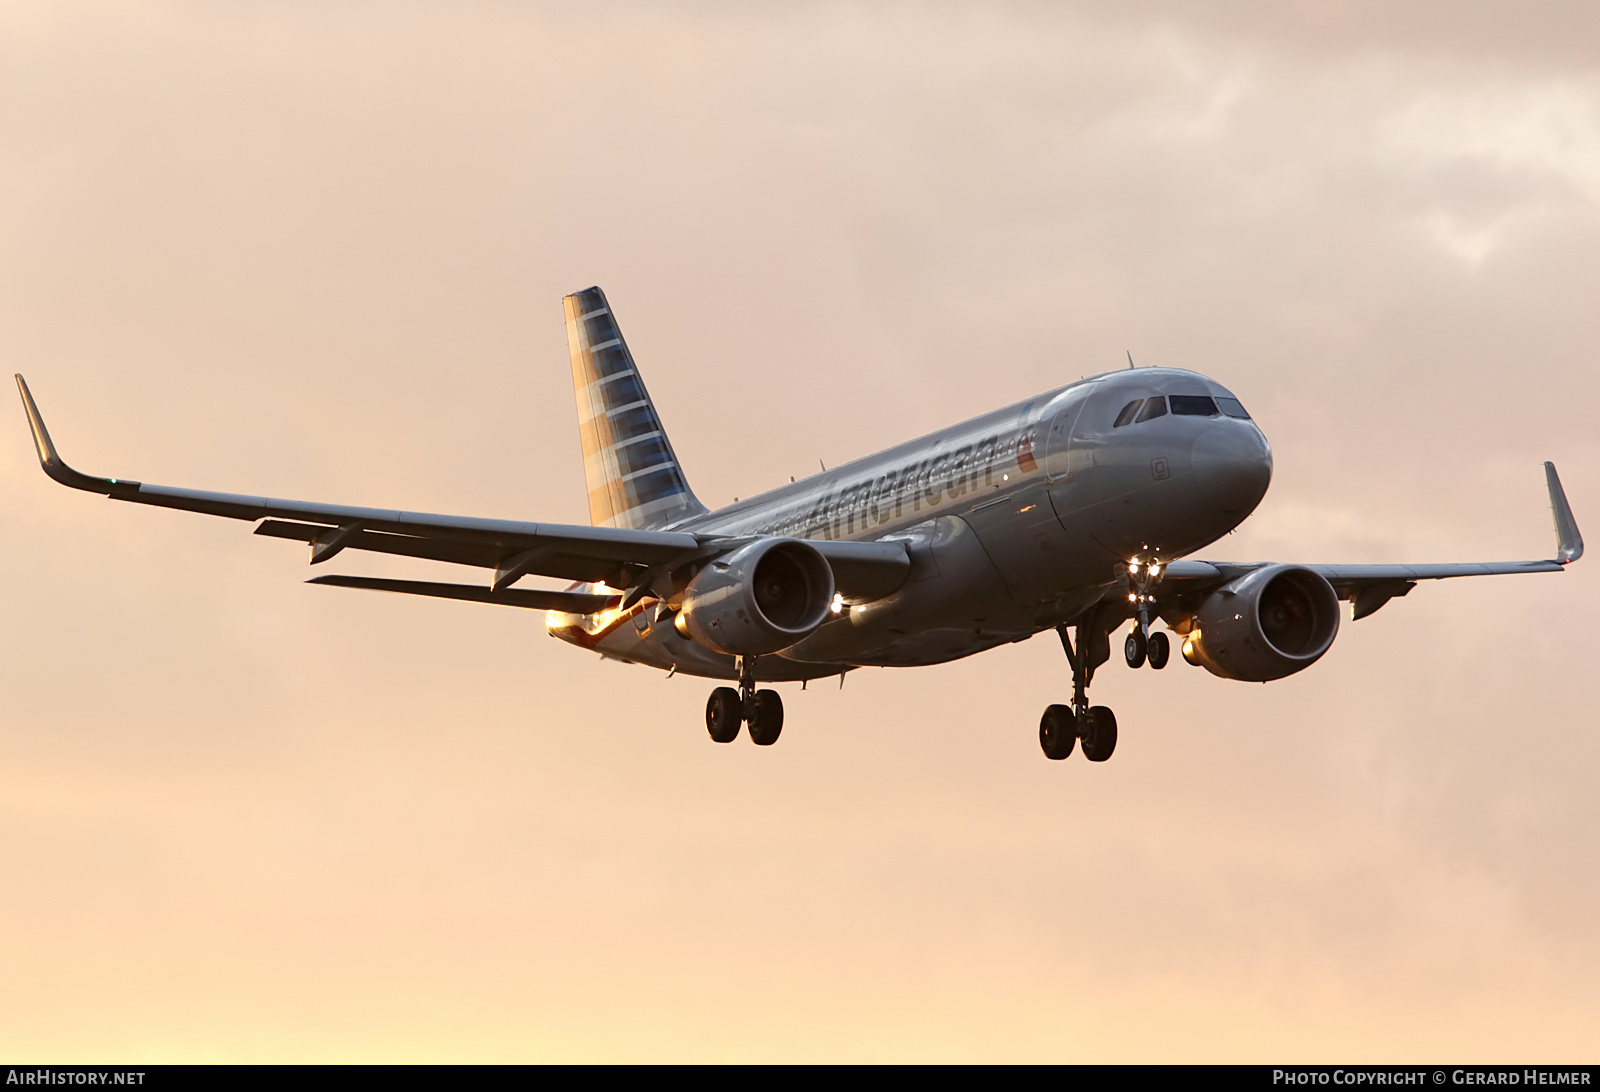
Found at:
<point>1160,650</point>
<point>1135,648</point>
<point>1143,646</point>
<point>762,710</point>
<point>1154,649</point>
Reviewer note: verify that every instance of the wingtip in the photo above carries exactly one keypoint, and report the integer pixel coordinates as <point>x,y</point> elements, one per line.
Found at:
<point>41,435</point>
<point>1569,540</point>
<point>49,459</point>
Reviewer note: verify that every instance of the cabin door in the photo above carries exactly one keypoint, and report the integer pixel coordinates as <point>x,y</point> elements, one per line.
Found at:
<point>1059,426</point>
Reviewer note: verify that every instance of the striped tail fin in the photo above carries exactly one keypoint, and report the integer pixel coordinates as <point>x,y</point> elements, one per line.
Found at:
<point>633,474</point>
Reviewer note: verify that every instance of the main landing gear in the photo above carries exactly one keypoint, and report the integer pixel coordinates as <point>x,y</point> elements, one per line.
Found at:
<point>762,710</point>
<point>1063,726</point>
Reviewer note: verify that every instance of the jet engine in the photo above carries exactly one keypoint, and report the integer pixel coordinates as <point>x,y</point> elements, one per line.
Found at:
<point>761,598</point>
<point>1271,623</point>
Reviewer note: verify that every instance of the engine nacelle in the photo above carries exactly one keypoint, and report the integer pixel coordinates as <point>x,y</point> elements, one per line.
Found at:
<point>759,599</point>
<point>1271,623</point>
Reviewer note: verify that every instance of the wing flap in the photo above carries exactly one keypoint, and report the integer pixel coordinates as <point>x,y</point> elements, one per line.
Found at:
<point>383,542</point>
<point>550,561</point>
<point>530,599</point>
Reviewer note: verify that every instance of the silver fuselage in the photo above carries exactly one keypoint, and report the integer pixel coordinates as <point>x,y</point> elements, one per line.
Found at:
<point>1015,522</point>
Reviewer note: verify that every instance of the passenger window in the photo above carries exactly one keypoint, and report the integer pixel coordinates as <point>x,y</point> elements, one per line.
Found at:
<point>1127,414</point>
<point>1156,407</point>
<point>1232,408</point>
<point>1193,405</point>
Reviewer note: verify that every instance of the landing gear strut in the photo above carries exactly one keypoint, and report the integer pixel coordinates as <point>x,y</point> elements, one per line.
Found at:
<point>762,710</point>
<point>1062,726</point>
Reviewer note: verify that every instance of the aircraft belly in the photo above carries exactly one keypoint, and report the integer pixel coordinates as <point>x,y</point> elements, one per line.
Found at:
<point>1038,557</point>
<point>635,637</point>
<point>933,646</point>
<point>952,604</point>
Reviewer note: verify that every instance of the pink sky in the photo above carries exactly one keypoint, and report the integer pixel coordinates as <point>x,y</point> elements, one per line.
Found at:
<point>318,251</point>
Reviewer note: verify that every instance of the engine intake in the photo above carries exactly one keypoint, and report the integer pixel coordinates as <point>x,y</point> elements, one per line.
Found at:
<point>1269,624</point>
<point>759,599</point>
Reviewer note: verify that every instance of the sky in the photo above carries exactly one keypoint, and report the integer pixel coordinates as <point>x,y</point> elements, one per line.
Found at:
<point>318,251</point>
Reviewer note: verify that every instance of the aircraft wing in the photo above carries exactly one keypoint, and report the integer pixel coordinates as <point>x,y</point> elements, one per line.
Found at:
<point>1369,587</point>
<point>617,557</point>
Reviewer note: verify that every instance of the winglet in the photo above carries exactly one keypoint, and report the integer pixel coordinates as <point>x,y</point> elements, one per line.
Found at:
<point>51,462</point>
<point>1569,542</point>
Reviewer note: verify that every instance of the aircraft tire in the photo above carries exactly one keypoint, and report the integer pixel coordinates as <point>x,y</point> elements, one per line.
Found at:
<point>723,714</point>
<point>1134,648</point>
<point>1099,734</point>
<point>1159,651</point>
<point>767,721</point>
<point>1058,732</point>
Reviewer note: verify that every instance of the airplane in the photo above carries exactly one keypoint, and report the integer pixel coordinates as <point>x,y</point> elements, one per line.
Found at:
<point>1076,511</point>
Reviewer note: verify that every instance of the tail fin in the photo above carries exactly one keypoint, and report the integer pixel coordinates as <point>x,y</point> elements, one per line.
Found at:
<point>633,474</point>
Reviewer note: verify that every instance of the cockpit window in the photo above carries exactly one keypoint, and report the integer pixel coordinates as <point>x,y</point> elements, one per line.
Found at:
<point>1232,408</point>
<point>1156,407</point>
<point>1127,414</point>
<point>1193,405</point>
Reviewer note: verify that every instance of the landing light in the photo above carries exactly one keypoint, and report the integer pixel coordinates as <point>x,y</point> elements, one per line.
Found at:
<point>838,602</point>
<point>1133,564</point>
<point>1155,568</point>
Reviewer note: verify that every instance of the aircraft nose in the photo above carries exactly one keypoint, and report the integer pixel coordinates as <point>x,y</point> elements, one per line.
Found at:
<point>1233,463</point>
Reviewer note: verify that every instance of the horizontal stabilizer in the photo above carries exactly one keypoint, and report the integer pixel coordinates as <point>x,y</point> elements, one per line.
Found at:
<point>570,602</point>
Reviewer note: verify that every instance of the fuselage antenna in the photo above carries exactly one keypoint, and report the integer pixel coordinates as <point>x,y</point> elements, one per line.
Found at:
<point>1130,359</point>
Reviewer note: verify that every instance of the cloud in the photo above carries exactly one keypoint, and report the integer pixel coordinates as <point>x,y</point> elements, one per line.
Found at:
<point>318,251</point>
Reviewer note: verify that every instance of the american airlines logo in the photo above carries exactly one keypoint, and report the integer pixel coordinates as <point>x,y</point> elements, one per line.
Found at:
<point>1025,460</point>
<point>924,485</point>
